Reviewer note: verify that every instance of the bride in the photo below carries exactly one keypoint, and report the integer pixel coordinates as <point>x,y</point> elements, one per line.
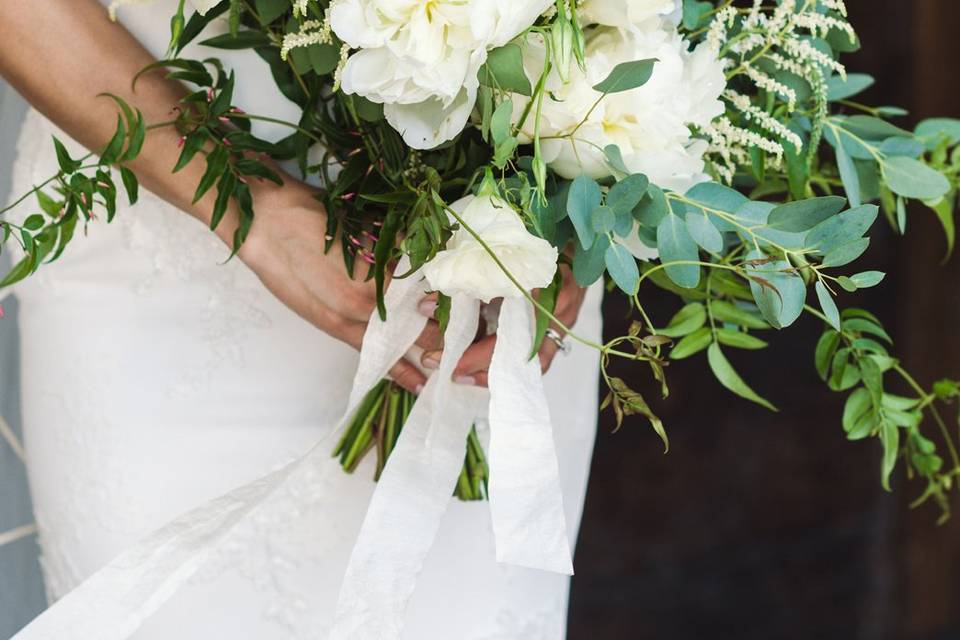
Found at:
<point>155,377</point>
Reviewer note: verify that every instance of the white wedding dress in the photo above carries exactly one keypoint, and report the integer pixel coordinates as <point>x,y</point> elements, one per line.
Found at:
<point>155,378</point>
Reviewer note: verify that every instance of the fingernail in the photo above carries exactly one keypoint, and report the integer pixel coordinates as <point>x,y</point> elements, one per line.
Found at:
<point>431,360</point>
<point>469,381</point>
<point>419,389</point>
<point>427,308</point>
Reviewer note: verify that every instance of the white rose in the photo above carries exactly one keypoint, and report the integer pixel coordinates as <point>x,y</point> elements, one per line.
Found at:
<point>466,267</point>
<point>421,59</point>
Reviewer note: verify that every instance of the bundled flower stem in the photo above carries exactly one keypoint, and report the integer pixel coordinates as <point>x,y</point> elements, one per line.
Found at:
<point>377,426</point>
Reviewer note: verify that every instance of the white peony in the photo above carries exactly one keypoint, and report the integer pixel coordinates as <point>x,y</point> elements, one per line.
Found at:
<point>420,58</point>
<point>625,13</point>
<point>466,267</point>
<point>651,124</point>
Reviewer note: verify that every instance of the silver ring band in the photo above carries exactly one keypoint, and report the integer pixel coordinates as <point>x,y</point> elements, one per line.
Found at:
<point>554,336</point>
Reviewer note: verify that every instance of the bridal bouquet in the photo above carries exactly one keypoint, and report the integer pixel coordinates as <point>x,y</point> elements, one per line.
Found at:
<point>713,150</point>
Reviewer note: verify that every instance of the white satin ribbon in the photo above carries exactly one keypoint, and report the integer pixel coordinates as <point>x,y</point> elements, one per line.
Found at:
<point>407,506</point>
<point>412,495</point>
<point>526,503</point>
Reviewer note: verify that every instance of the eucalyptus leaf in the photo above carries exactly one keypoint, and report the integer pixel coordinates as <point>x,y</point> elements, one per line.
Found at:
<point>703,232</point>
<point>804,215</point>
<point>828,305</point>
<point>583,198</point>
<point>910,178</point>
<point>622,267</point>
<point>627,76</point>
<point>675,245</point>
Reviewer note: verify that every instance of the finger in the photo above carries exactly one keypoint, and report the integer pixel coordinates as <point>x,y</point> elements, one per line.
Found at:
<point>476,359</point>
<point>408,376</point>
<point>548,351</point>
<point>428,305</point>
<point>431,339</point>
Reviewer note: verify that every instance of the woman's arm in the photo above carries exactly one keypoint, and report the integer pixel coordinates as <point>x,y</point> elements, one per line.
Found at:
<point>61,54</point>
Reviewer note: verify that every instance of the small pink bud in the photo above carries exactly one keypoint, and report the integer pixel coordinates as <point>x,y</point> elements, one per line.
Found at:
<point>182,141</point>
<point>224,119</point>
<point>209,95</point>
<point>2,312</point>
<point>348,196</point>
<point>227,143</point>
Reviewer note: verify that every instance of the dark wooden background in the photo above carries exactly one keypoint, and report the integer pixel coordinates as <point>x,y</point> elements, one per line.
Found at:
<point>773,526</point>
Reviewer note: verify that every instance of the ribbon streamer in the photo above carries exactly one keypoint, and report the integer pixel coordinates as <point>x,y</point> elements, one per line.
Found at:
<point>407,506</point>
<point>526,503</point>
<point>115,601</point>
<point>412,495</point>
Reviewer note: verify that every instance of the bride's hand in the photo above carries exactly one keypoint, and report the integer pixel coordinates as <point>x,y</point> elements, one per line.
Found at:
<point>473,366</point>
<point>285,249</point>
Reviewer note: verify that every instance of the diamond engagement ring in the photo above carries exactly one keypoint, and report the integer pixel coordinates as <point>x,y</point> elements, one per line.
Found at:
<point>557,339</point>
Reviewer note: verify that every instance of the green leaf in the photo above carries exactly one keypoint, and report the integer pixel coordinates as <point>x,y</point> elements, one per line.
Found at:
<point>246,39</point>
<point>944,210</point>
<point>826,349</point>
<point>676,245</point>
<point>137,137</point>
<point>216,165</point>
<point>270,10</point>
<point>842,229</point>
<point>871,128</point>
<point>828,305</point>
<point>692,344</point>
<point>868,279</point>
<point>841,88</point>
<point>863,325</point>
<point>67,164</point>
<point>846,253</point>
<point>604,219</point>
<point>625,195</point>
<point>622,267</point>
<point>727,312</point>
<point>324,59</point>
<point>504,70</point>
<point>804,215</point>
<point>50,206</point>
<point>689,319</point>
<point>740,340</point>
<point>653,208</point>
<point>225,189</point>
<point>730,379</point>
<point>627,76</point>
<point>910,178</point>
<point>583,198</point>
<point>33,222</point>
<point>890,437</point>
<point>20,271</point>
<point>191,146</point>
<point>130,184</point>
<point>778,290</point>
<point>703,232</point>
<point>858,403</point>
<point>589,264</point>
<point>849,176</point>
<point>112,151</point>
<point>934,130</point>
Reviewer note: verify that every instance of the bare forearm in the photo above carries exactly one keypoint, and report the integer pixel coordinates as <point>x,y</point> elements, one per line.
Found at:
<point>62,54</point>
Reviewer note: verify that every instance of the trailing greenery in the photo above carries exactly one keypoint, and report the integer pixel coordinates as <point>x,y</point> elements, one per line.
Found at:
<point>801,173</point>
